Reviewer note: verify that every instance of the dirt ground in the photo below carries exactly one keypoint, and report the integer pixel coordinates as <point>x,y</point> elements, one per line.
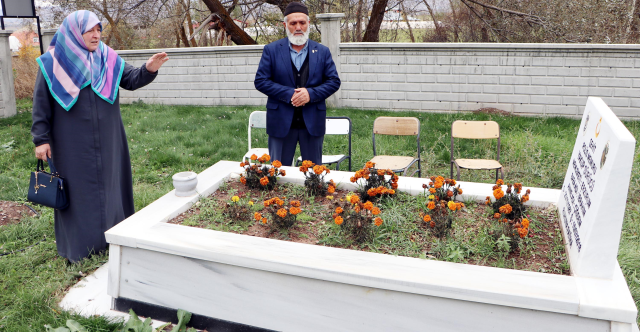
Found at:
<point>12,212</point>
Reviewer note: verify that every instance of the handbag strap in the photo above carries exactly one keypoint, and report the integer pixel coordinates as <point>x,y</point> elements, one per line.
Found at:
<point>40,166</point>
<point>52,168</point>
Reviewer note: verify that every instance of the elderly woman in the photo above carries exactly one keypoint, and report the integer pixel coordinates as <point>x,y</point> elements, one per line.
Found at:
<point>77,123</point>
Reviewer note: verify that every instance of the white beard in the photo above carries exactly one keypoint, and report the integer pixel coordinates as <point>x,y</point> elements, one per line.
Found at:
<point>297,40</point>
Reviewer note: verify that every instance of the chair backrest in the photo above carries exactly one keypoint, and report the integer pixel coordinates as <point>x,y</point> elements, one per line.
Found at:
<point>338,125</point>
<point>401,126</point>
<point>475,129</point>
<point>398,126</point>
<point>257,119</point>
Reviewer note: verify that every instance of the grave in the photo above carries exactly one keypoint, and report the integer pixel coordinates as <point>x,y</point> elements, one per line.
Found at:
<point>237,279</point>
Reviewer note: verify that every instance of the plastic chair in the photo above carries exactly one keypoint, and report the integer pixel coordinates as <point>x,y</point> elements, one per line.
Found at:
<point>257,119</point>
<point>476,130</point>
<point>335,125</point>
<point>398,126</point>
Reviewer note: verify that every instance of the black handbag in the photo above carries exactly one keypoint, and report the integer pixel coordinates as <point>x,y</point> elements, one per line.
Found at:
<point>48,189</point>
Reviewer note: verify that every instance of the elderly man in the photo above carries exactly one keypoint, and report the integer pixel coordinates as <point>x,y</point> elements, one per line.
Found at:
<point>297,74</point>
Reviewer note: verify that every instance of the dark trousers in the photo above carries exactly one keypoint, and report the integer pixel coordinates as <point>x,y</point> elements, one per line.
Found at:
<point>284,148</point>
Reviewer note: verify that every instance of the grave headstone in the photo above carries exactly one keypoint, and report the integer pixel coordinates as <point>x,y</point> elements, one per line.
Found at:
<point>594,192</point>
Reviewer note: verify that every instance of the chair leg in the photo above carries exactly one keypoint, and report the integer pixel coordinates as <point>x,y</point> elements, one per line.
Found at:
<point>497,169</point>
<point>337,166</point>
<point>458,175</point>
<point>501,174</point>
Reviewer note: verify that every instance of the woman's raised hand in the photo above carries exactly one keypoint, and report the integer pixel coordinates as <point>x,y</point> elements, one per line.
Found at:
<point>156,61</point>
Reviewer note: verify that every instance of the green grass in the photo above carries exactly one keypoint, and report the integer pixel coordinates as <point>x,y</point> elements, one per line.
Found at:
<point>164,140</point>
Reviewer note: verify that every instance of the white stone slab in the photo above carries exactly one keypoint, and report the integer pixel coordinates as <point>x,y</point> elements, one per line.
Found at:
<point>594,192</point>
<point>466,283</point>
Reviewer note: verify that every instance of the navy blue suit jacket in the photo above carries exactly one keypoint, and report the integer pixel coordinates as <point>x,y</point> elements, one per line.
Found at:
<point>275,79</point>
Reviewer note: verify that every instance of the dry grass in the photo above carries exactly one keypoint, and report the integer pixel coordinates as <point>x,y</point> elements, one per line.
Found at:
<point>25,70</point>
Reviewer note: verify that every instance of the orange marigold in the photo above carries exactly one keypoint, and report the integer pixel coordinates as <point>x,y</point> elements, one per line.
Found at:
<point>303,169</point>
<point>264,181</point>
<point>308,164</point>
<point>339,210</point>
<point>368,205</point>
<point>381,172</point>
<point>452,182</point>
<point>257,216</point>
<point>431,205</point>
<point>282,172</point>
<point>331,189</point>
<point>438,184</point>
<point>524,198</point>
<point>426,218</point>
<point>295,203</point>
<point>498,193</point>
<point>278,201</point>
<point>525,223</point>
<point>353,179</point>
<point>276,164</point>
<point>505,220</point>
<point>375,211</point>
<point>264,220</point>
<point>452,205</point>
<point>242,164</point>
<point>338,220</point>
<point>523,232</point>
<point>497,215</point>
<point>282,213</point>
<point>459,191</point>
<point>318,169</point>
<point>369,164</point>
<point>272,171</point>
<point>357,208</point>
<point>499,182</point>
<point>254,157</point>
<point>355,199</point>
<point>449,193</point>
<point>506,209</point>
<point>294,210</point>
<point>432,190</point>
<point>392,192</point>
<point>265,157</point>
<point>378,221</point>
<point>243,180</point>
<point>432,224</point>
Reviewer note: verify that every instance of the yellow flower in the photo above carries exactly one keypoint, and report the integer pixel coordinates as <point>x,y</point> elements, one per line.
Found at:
<point>452,206</point>
<point>329,197</point>
<point>250,203</point>
<point>431,197</point>
<point>235,198</point>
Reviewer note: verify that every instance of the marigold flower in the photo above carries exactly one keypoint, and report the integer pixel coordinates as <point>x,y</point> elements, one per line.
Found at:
<point>331,189</point>
<point>498,193</point>
<point>432,190</point>
<point>497,215</point>
<point>338,220</point>
<point>243,180</point>
<point>242,164</point>
<point>459,191</point>
<point>254,157</point>
<point>352,179</point>
<point>279,201</point>
<point>525,223</point>
<point>392,192</point>
<point>499,182</point>
<point>303,169</point>
<point>437,184</point>
<point>276,164</point>
<point>452,205</point>
<point>506,209</point>
<point>378,221</point>
<point>505,220</point>
<point>282,213</point>
<point>431,197</point>
<point>426,218</point>
<point>257,216</point>
<point>369,164</point>
<point>357,208</point>
<point>264,181</point>
<point>267,203</point>
<point>329,197</point>
<point>294,210</point>
<point>449,193</point>
<point>265,157</point>
<point>381,172</point>
<point>339,210</point>
<point>523,232</point>
<point>272,171</point>
<point>318,169</point>
<point>431,205</point>
<point>452,182</point>
<point>368,205</point>
<point>375,211</point>
<point>424,186</point>
<point>354,199</point>
<point>282,172</point>
<point>432,224</point>
<point>524,198</point>
<point>235,198</point>
<point>264,220</point>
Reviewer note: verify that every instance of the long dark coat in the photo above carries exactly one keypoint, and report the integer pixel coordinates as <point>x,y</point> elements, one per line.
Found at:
<point>89,149</point>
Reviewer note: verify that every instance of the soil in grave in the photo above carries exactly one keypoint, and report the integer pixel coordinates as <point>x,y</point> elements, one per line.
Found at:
<point>12,212</point>
<point>403,233</point>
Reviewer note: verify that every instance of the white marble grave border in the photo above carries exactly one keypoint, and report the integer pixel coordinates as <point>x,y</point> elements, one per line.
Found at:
<point>600,299</point>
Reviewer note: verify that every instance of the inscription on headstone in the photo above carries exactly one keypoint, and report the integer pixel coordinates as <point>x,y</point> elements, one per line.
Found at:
<point>594,192</point>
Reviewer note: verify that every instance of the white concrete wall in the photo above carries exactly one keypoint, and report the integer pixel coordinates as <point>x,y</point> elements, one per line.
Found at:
<point>7,91</point>
<point>550,79</point>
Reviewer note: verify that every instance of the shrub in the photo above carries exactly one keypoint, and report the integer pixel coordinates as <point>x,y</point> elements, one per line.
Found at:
<point>238,209</point>
<point>441,206</point>
<point>373,183</point>
<point>25,70</point>
<point>314,179</point>
<point>357,218</point>
<point>259,175</point>
<point>508,212</point>
<point>282,217</point>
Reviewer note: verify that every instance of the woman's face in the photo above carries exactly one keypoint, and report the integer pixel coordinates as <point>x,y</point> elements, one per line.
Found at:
<point>92,38</point>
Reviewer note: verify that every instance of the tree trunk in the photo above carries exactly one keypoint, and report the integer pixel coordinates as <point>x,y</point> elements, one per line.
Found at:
<point>238,35</point>
<point>282,4</point>
<point>187,10</point>
<point>372,34</point>
<point>440,36</point>
<point>406,19</point>
<point>455,22</point>
<point>359,21</point>
<point>633,29</point>
<point>183,34</point>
